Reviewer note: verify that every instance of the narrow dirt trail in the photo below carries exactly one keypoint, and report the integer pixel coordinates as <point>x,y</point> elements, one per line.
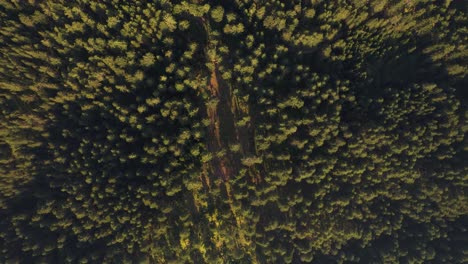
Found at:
<point>221,130</point>
<point>223,109</point>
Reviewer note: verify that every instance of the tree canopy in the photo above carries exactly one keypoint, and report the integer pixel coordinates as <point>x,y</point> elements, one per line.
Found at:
<point>238,131</point>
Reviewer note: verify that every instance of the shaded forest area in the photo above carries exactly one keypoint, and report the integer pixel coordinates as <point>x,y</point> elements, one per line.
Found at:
<point>239,131</point>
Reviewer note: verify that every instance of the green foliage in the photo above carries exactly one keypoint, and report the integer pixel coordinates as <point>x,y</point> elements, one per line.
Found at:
<point>233,132</point>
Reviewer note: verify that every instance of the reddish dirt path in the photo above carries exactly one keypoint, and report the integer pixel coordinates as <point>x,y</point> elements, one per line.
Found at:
<point>220,116</point>
<point>223,132</point>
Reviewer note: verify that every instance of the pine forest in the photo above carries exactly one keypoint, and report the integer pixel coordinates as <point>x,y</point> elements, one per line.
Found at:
<point>234,131</point>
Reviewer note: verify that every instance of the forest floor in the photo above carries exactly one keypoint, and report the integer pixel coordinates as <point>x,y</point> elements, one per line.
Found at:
<point>227,141</point>
<point>221,129</point>
<point>223,110</point>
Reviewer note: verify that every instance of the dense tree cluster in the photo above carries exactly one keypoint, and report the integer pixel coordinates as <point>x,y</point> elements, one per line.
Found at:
<point>235,131</point>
